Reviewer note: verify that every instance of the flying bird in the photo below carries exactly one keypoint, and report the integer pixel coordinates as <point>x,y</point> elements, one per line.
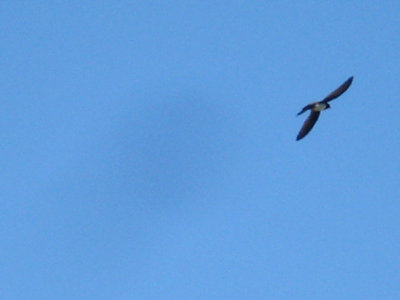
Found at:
<point>317,107</point>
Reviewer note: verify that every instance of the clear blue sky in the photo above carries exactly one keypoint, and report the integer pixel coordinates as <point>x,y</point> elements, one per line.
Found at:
<point>148,150</point>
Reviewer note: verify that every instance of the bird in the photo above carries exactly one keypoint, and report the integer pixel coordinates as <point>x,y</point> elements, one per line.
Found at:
<point>317,107</point>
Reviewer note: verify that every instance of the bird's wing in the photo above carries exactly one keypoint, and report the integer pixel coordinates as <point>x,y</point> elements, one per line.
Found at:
<point>340,90</point>
<point>308,124</point>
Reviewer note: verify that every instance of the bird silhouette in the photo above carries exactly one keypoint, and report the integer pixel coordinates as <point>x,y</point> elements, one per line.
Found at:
<point>317,107</point>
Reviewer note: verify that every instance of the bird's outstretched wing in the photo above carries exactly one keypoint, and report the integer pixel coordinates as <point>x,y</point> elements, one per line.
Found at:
<point>340,90</point>
<point>308,124</point>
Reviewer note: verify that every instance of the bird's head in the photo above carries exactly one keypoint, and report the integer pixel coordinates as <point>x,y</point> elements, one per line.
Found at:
<point>327,106</point>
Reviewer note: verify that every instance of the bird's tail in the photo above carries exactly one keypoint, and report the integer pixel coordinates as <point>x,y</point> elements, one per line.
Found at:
<point>302,111</point>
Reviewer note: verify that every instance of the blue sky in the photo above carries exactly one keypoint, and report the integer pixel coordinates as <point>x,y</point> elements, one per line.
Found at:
<point>148,150</point>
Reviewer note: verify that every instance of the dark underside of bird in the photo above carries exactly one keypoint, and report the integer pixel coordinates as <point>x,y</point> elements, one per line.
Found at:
<point>316,108</point>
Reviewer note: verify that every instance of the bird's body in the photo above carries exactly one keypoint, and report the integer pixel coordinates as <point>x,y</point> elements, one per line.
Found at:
<point>317,107</point>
